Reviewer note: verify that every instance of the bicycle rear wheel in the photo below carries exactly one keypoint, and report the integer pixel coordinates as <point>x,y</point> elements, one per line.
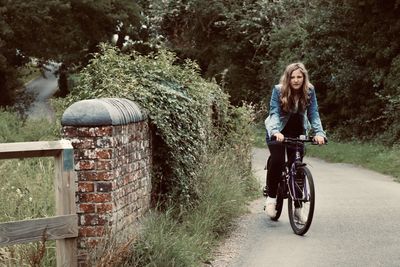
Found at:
<point>301,201</point>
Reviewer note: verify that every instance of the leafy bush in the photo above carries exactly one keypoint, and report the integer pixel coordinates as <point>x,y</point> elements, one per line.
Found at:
<point>392,100</point>
<point>182,106</point>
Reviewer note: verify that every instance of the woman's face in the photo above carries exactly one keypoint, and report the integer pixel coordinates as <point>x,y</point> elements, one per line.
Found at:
<point>296,79</point>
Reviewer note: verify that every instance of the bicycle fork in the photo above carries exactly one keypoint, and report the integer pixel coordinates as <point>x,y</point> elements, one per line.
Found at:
<point>298,188</point>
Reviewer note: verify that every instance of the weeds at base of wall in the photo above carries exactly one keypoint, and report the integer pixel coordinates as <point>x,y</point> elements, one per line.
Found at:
<point>115,248</point>
<point>31,254</point>
<point>185,236</point>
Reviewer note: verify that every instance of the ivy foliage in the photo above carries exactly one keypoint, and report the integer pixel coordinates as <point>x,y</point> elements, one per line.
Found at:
<point>186,110</point>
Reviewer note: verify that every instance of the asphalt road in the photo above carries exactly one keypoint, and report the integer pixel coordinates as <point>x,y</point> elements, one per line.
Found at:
<point>356,222</point>
<point>43,88</point>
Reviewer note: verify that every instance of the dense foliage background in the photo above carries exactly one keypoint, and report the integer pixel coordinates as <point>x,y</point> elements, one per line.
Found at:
<point>350,47</point>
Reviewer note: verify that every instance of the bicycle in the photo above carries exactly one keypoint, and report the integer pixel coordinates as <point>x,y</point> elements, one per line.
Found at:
<point>296,185</point>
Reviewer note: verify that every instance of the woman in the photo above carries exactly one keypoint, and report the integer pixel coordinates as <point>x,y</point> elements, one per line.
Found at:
<point>293,108</point>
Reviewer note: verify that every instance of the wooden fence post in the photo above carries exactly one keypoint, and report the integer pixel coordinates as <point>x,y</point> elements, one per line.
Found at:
<point>64,185</point>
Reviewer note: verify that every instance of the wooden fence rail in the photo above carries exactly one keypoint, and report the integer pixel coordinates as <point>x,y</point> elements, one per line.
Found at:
<point>64,227</point>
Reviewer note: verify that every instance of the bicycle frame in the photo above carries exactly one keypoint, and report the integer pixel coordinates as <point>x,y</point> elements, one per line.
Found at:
<point>290,171</point>
<point>290,176</point>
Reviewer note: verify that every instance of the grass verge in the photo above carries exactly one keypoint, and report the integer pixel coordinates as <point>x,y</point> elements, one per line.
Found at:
<point>26,189</point>
<point>370,155</point>
<point>28,72</point>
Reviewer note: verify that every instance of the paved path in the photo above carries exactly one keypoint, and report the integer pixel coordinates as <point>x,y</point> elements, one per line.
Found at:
<point>356,222</point>
<point>43,88</point>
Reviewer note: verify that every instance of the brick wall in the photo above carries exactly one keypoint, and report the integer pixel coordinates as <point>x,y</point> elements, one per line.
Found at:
<point>112,154</point>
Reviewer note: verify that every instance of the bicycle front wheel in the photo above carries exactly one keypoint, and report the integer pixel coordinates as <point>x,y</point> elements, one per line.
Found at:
<point>301,201</point>
<point>279,201</point>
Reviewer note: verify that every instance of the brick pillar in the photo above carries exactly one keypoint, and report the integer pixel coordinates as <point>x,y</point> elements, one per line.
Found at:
<point>111,141</point>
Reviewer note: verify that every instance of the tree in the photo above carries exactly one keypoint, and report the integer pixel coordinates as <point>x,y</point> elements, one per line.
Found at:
<point>66,31</point>
<point>349,56</point>
<point>8,77</point>
<point>226,38</point>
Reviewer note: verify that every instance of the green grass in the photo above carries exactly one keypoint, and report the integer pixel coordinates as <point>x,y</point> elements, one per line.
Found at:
<point>26,188</point>
<point>224,193</point>
<point>28,72</point>
<point>259,135</point>
<point>370,155</point>
<point>15,129</point>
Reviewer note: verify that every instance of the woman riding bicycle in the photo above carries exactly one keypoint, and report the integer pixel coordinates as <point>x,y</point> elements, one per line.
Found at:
<point>293,108</point>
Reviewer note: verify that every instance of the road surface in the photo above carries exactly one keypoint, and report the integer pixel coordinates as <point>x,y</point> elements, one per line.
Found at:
<point>43,88</point>
<point>356,222</point>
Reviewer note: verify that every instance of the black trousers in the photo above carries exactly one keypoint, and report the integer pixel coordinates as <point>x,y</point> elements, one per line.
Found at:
<point>276,163</point>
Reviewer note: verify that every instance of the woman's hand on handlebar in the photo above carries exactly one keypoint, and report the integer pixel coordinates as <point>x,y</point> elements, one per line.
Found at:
<point>320,140</point>
<point>279,137</point>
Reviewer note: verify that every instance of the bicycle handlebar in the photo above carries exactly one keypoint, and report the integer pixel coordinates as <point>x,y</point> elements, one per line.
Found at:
<point>296,140</point>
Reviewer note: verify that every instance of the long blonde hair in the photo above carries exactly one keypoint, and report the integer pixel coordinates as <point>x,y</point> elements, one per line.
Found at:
<point>287,96</point>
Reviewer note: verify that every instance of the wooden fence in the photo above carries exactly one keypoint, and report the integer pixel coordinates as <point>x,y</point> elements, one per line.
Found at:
<point>64,227</point>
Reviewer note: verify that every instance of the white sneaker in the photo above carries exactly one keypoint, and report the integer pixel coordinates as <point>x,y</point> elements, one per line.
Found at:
<point>270,207</point>
<point>299,216</point>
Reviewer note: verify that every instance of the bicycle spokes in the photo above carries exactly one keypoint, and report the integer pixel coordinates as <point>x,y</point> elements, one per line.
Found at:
<point>301,201</point>
<point>300,189</point>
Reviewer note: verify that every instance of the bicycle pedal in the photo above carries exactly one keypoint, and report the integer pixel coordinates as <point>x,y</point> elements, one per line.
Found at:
<point>265,191</point>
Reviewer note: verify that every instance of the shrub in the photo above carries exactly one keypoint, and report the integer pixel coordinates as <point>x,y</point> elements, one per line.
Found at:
<point>179,102</point>
<point>392,107</point>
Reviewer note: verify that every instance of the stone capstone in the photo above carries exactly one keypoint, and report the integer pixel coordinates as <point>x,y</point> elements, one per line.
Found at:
<point>102,111</point>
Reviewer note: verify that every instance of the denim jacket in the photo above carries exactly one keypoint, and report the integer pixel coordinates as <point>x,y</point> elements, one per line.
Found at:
<point>278,118</point>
